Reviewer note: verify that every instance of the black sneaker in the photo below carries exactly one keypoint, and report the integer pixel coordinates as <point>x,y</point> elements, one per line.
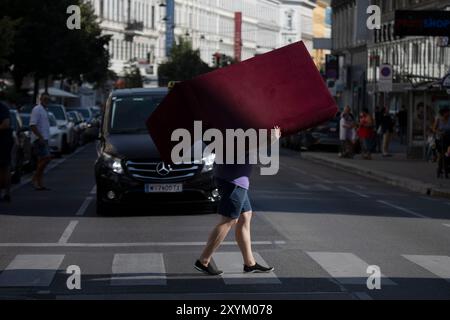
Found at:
<point>258,269</point>
<point>209,270</point>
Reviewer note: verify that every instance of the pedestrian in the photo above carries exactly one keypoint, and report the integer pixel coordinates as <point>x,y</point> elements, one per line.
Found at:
<point>378,135</point>
<point>233,181</point>
<point>441,128</point>
<point>366,134</point>
<point>347,133</point>
<point>6,145</point>
<point>387,130</point>
<point>40,127</point>
<point>402,117</point>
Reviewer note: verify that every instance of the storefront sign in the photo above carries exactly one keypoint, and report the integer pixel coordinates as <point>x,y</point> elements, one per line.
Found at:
<point>422,23</point>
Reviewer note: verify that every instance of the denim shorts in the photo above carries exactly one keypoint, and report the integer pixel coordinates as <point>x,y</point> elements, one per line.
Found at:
<point>41,150</point>
<point>234,200</point>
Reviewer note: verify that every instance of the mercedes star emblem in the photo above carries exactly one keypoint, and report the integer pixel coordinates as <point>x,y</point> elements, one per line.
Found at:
<point>162,169</point>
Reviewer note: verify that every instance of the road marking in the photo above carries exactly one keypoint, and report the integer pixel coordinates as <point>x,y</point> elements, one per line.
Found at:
<point>130,244</point>
<point>418,215</point>
<point>303,186</point>
<point>362,195</point>
<point>320,178</point>
<point>84,206</point>
<point>438,265</point>
<point>363,296</point>
<point>360,187</point>
<point>346,268</point>
<point>299,170</point>
<point>140,269</point>
<point>232,266</point>
<point>94,190</point>
<point>446,225</point>
<point>31,271</point>
<point>68,232</point>
<point>323,187</point>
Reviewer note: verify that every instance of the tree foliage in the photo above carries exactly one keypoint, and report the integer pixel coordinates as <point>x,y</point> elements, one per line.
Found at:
<point>43,46</point>
<point>184,63</point>
<point>8,29</point>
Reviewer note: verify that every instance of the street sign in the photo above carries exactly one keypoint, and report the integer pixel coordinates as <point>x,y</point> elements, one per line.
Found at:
<point>386,76</point>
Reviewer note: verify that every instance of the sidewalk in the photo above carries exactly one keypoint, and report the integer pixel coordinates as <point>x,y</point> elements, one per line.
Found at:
<point>415,175</point>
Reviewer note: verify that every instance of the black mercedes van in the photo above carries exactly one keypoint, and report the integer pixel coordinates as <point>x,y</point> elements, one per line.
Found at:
<point>129,169</point>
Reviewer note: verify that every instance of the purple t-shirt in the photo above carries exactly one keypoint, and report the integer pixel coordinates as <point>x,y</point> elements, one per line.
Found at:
<point>237,174</point>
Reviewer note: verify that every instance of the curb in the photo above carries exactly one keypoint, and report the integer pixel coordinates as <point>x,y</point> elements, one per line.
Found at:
<point>397,181</point>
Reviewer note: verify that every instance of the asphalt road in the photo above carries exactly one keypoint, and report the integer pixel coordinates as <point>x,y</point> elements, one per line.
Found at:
<point>320,228</point>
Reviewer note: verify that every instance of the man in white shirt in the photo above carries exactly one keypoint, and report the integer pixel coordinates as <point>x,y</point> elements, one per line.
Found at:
<point>40,128</point>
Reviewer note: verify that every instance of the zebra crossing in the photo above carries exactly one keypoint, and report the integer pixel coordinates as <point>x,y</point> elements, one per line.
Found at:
<point>151,269</point>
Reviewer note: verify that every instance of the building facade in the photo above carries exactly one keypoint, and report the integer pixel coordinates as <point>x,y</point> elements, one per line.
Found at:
<point>137,33</point>
<point>419,65</point>
<point>210,26</point>
<point>296,18</point>
<point>349,41</point>
<point>139,28</point>
<point>321,30</point>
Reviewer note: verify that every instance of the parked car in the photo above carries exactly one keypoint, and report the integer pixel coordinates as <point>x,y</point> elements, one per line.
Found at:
<point>66,126</point>
<point>92,123</point>
<point>56,135</point>
<point>129,167</point>
<point>79,126</point>
<point>326,134</point>
<point>22,155</point>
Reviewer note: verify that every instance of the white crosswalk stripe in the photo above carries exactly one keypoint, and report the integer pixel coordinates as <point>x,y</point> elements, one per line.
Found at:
<point>31,271</point>
<point>346,268</point>
<point>148,269</point>
<point>232,266</point>
<point>138,269</point>
<point>438,265</point>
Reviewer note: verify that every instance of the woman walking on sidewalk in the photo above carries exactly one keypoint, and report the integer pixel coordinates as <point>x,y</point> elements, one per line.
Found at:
<point>366,134</point>
<point>442,130</point>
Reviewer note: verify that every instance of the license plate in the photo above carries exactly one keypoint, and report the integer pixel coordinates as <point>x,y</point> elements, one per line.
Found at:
<point>163,188</point>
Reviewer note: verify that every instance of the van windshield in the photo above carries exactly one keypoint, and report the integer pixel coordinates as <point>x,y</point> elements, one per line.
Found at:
<point>130,114</point>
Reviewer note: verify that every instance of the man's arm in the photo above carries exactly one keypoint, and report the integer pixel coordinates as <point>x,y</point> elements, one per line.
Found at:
<point>36,132</point>
<point>34,119</point>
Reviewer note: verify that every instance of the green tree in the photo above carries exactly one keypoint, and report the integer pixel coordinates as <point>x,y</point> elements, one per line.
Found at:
<point>45,47</point>
<point>7,27</point>
<point>184,63</point>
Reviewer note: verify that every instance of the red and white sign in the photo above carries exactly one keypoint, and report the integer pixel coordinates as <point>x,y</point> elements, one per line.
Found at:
<point>386,77</point>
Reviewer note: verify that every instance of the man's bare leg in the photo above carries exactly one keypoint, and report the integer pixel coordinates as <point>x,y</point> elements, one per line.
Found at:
<point>39,174</point>
<point>216,238</point>
<point>243,238</point>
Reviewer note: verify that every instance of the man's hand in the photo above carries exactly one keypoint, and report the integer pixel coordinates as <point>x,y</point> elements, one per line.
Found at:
<point>276,134</point>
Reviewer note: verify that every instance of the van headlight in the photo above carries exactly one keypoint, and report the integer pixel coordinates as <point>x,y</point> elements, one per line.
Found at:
<point>208,162</point>
<point>113,163</point>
